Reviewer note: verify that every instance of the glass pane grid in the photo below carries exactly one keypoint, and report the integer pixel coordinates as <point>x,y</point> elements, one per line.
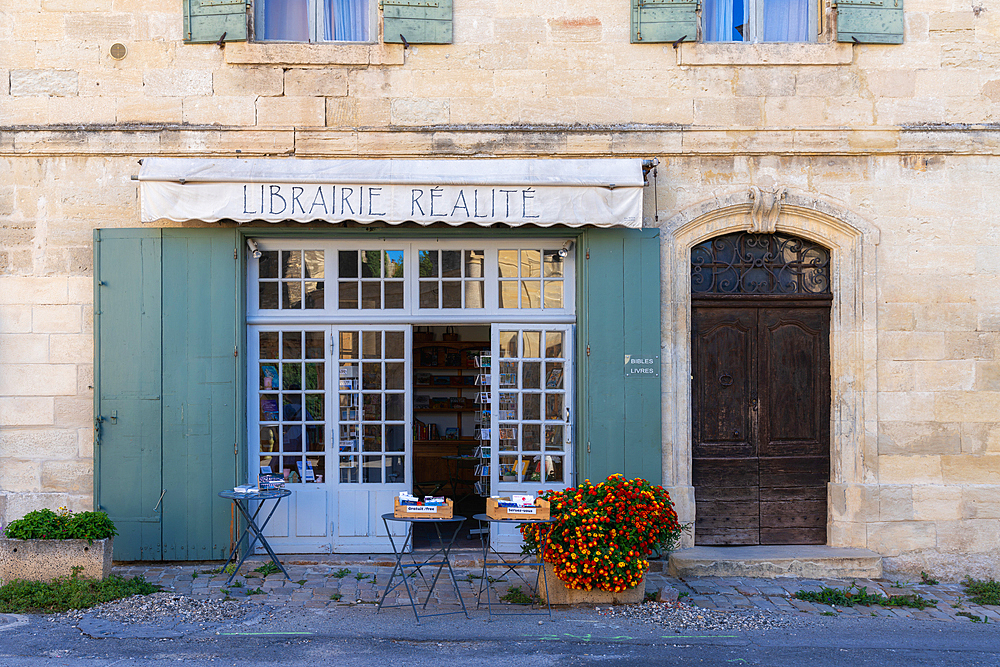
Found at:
<point>451,279</point>
<point>531,407</point>
<point>370,279</point>
<point>372,399</point>
<point>530,279</point>
<point>291,280</point>
<point>292,398</point>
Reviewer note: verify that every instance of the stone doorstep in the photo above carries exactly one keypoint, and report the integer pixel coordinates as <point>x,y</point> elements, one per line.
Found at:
<point>768,562</point>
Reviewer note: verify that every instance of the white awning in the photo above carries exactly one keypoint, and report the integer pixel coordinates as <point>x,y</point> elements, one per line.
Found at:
<point>602,193</point>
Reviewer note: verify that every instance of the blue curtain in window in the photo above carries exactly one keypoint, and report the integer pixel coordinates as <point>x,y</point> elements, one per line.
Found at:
<point>350,20</point>
<point>725,20</point>
<point>786,21</point>
<point>283,20</point>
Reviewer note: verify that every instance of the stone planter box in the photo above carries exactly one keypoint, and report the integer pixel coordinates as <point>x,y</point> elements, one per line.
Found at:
<point>44,560</point>
<point>559,594</point>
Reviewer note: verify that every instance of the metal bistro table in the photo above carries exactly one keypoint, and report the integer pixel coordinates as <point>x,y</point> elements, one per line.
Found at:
<point>444,549</point>
<point>252,527</point>
<point>511,566</point>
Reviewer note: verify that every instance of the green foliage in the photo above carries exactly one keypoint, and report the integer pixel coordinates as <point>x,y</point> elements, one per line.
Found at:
<point>341,573</point>
<point>44,524</point>
<point>237,584</point>
<point>255,591</point>
<point>68,593</point>
<point>360,576</point>
<point>853,595</point>
<point>335,596</point>
<point>515,595</point>
<point>982,591</point>
<point>267,568</point>
<point>928,580</point>
<point>972,617</point>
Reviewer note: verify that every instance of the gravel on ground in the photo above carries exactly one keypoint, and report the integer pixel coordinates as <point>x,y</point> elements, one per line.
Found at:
<point>682,616</point>
<point>165,606</point>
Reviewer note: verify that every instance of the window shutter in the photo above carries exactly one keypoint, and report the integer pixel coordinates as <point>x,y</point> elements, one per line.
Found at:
<point>165,330</point>
<point>870,21</point>
<point>416,21</point>
<point>206,20</point>
<point>664,21</point>
<point>619,314</point>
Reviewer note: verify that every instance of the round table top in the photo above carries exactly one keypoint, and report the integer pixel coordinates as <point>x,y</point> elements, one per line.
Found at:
<point>487,517</point>
<point>389,516</point>
<point>262,494</point>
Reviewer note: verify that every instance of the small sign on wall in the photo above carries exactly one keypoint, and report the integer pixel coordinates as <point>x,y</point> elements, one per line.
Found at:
<point>637,366</point>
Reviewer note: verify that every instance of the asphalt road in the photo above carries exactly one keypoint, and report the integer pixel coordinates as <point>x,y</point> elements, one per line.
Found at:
<point>356,636</point>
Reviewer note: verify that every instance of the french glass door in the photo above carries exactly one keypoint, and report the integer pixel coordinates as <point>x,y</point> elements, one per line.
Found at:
<point>532,406</point>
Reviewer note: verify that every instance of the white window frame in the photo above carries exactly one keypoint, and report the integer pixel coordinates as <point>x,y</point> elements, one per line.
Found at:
<point>411,313</point>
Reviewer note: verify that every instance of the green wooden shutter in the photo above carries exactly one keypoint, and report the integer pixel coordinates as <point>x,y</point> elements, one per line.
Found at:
<point>664,21</point>
<point>166,396</point>
<point>870,21</point>
<point>206,20</point>
<point>416,21</point>
<point>200,423</point>
<point>127,393</point>
<point>619,308</point>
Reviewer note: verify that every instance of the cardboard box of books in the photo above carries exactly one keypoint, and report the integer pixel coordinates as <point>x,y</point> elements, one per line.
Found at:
<point>411,507</point>
<point>517,508</point>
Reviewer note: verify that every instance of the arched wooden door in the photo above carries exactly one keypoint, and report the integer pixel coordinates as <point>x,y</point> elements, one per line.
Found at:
<point>760,389</point>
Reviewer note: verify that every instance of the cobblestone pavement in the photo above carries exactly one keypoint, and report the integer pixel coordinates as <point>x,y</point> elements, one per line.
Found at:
<point>321,582</point>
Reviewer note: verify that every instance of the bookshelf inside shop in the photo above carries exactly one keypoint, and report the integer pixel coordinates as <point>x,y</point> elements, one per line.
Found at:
<point>446,386</point>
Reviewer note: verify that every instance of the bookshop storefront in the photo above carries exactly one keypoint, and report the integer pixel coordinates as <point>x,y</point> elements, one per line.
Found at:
<point>465,328</point>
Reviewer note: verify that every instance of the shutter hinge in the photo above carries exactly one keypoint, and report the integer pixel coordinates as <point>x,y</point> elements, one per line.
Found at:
<point>588,350</point>
<point>588,446</point>
<point>236,351</point>
<point>234,253</point>
<point>588,253</point>
<point>236,448</point>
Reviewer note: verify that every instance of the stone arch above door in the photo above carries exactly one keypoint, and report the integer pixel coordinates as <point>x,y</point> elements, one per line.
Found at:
<point>853,337</point>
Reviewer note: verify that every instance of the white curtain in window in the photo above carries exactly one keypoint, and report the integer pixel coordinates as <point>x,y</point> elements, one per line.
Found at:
<point>721,19</point>
<point>283,20</point>
<point>786,20</point>
<point>350,20</point>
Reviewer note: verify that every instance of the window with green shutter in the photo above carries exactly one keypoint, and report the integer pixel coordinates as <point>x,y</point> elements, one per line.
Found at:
<point>206,21</point>
<point>870,21</point>
<point>416,21</point>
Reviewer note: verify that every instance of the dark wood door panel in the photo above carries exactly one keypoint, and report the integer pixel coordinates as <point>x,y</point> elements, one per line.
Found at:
<point>761,413</point>
<point>724,381</point>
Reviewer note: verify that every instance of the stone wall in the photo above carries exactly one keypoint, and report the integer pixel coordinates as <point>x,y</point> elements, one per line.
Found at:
<point>899,137</point>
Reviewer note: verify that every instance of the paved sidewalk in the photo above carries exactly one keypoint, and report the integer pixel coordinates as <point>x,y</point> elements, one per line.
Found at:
<point>322,582</point>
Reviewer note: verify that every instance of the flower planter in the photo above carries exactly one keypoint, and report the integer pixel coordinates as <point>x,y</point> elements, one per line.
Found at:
<point>560,594</point>
<point>44,560</point>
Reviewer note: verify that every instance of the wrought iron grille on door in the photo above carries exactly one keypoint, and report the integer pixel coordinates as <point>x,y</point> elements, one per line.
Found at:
<point>743,263</point>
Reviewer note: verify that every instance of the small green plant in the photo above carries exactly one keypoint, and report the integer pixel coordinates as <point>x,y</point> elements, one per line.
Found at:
<point>336,596</point>
<point>300,582</point>
<point>853,595</point>
<point>230,569</point>
<point>194,575</point>
<point>649,597</point>
<point>828,613</point>
<point>341,573</point>
<point>44,524</point>
<point>515,595</point>
<point>225,590</point>
<point>237,584</point>
<point>982,591</point>
<point>212,571</point>
<point>896,584</point>
<point>682,595</point>
<point>972,617</point>
<point>361,576</point>
<point>254,591</point>
<point>67,593</point>
<point>928,580</point>
<point>267,568</point>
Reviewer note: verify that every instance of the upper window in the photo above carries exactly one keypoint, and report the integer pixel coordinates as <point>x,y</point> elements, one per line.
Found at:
<point>758,20</point>
<point>313,20</point>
